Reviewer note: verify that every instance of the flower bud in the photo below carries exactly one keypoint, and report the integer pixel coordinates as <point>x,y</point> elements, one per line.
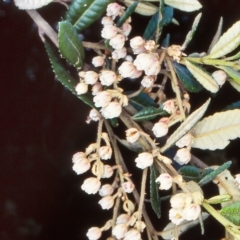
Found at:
<point>94,115</point>
<point>220,77</point>
<point>78,156</point>
<point>98,61</point>
<point>169,106</point>
<point>109,32</point>
<point>165,181</point>
<point>132,135</point>
<point>106,202</point>
<point>113,10</point>
<point>106,190</point>
<point>180,200</point>
<point>154,68</point>
<point>107,21</point>
<point>96,88</point>
<point>119,231</point>
<point>136,74</point>
<point>144,160</point>
<point>91,77</point>
<point>91,185</point>
<point>183,156</point>
<point>129,58</point>
<point>107,77</point>
<point>148,81</point>
<point>160,129</point>
<point>105,152</point>
<point>143,61</point>
<point>108,171</point>
<point>81,165</point>
<point>132,234</point>
<point>191,212</point>
<point>175,215</point>
<point>112,110</point>
<point>128,187</point>
<point>137,42</point>
<point>123,218</point>
<point>126,28</point>
<point>119,53</point>
<point>81,88</point>
<point>117,42</point>
<point>102,99</point>
<point>94,233</point>
<point>185,140</point>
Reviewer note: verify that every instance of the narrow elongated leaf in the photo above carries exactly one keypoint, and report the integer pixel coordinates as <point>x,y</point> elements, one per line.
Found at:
<point>134,147</point>
<point>187,79</point>
<point>165,42</point>
<point>169,230</point>
<point>149,113</point>
<point>82,13</point>
<point>70,45</point>
<point>235,105</point>
<point>203,77</point>
<point>141,101</point>
<point>184,5</point>
<point>235,75</point>
<point>31,4</point>
<point>234,57</point>
<point>216,131</point>
<point>232,212</point>
<point>219,199</point>
<point>186,125</point>
<point>190,173</point>
<point>127,14</point>
<point>208,178</point>
<point>234,84</point>
<point>63,76</point>
<point>192,32</point>
<point>227,42</point>
<point>143,8</point>
<point>154,192</point>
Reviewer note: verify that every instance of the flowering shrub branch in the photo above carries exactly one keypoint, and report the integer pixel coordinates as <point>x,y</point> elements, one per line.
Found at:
<point>148,114</point>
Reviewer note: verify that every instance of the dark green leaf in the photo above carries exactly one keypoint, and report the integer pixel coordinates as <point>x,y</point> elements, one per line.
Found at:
<point>232,212</point>
<point>134,147</point>
<point>114,122</point>
<point>208,178</point>
<point>127,14</point>
<point>82,13</point>
<point>149,113</point>
<point>63,76</point>
<point>167,16</point>
<point>70,45</point>
<point>141,101</point>
<point>190,173</point>
<point>206,172</point>
<point>165,42</point>
<point>187,79</point>
<point>154,191</point>
<point>235,75</point>
<point>232,106</point>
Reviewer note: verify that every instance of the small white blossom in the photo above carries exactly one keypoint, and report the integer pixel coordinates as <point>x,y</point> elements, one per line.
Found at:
<point>108,77</point>
<point>123,218</point>
<point>165,181</point>
<point>106,202</point>
<point>191,212</point>
<point>77,156</point>
<point>96,88</point>
<point>148,81</point>
<point>107,21</point>
<point>94,115</point>
<point>98,61</point>
<point>185,140</point>
<point>129,58</point>
<point>102,99</point>
<point>175,215</point>
<point>106,190</point>
<point>180,200</point>
<point>144,160</point>
<point>105,152</point>
<point>112,110</point>
<point>94,233</point>
<point>109,32</point>
<point>169,106</point>
<point>113,10</point>
<point>143,61</point>
<point>119,53</point>
<point>132,234</point>
<point>117,42</point>
<point>91,185</point>
<point>136,74</point>
<point>137,42</point>
<point>132,135</point>
<point>183,156</point>
<point>81,165</point>
<point>120,230</point>
<point>128,187</point>
<point>220,77</point>
<point>154,68</point>
<point>160,129</point>
<point>81,88</point>
<point>126,28</point>
<point>91,77</point>
<point>108,171</point>
<point>126,69</point>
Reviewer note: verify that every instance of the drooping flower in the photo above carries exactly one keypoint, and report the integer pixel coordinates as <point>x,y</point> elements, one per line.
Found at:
<point>165,181</point>
<point>94,233</point>
<point>91,185</point>
<point>120,230</point>
<point>220,77</point>
<point>180,200</point>
<point>108,171</point>
<point>106,190</point>
<point>144,160</point>
<point>107,202</point>
<point>185,140</point>
<point>175,215</point>
<point>132,135</point>
<point>98,61</point>
<point>183,156</point>
<point>90,77</point>
<point>128,187</point>
<point>191,212</point>
<point>81,88</point>
<point>132,234</point>
<point>112,110</point>
<point>81,165</point>
<point>117,42</point>
<point>160,129</point>
<point>105,152</point>
<point>102,99</point>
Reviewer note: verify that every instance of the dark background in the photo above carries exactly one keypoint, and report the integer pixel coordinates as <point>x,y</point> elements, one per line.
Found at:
<point>43,125</point>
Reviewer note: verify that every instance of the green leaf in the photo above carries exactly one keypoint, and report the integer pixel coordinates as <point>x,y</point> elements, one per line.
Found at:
<point>63,76</point>
<point>184,5</point>
<point>141,101</point>
<point>208,178</point>
<point>219,199</point>
<point>154,191</point>
<point>232,212</point>
<point>149,113</point>
<point>143,8</point>
<point>127,14</point>
<point>167,16</point>
<point>235,75</point>
<point>114,122</point>
<point>190,173</point>
<point>82,13</point>
<point>70,45</point>
<point>187,79</point>
<point>234,57</point>
<point>165,42</point>
<point>235,105</point>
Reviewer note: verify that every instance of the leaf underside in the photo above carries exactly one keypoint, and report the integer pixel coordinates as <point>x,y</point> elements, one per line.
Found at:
<point>232,212</point>
<point>184,5</point>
